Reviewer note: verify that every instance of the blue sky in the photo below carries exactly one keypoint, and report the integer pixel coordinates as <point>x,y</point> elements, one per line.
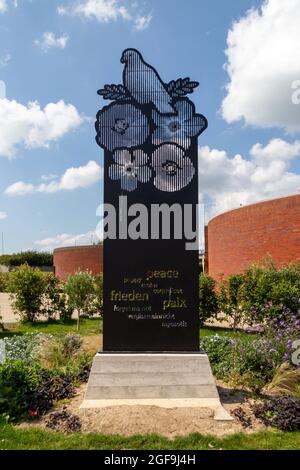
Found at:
<point>58,53</point>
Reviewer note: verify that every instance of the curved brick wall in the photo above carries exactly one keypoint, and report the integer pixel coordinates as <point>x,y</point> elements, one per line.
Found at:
<point>245,235</point>
<point>67,261</point>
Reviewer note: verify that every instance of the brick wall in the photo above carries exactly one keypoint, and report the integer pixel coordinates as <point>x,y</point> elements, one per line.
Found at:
<point>69,260</point>
<point>246,235</point>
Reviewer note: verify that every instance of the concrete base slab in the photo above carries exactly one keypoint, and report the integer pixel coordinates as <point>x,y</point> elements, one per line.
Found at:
<point>163,380</point>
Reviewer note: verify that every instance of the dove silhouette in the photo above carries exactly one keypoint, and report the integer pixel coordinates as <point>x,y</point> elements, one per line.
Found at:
<point>143,82</point>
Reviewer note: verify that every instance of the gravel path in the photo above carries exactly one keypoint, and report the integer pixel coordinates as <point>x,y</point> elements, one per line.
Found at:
<point>6,310</point>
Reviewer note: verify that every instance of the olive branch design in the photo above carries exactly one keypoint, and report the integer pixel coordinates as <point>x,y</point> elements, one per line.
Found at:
<point>181,87</point>
<point>176,89</point>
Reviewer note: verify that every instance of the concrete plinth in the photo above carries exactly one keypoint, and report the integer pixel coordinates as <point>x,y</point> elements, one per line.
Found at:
<point>165,380</point>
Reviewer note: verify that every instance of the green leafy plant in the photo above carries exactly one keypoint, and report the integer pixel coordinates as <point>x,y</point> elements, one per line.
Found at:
<point>80,291</point>
<point>17,381</point>
<point>219,350</point>
<point>4,282</point>
<point>27,286</point>
<point>229,301</point>
<point>98,287</point>
<point>266,291</point>
<point>33,258</point>
<point>239,362</point>
<point>280,412</point>
<point>55,300</point>
<point>208,299</point>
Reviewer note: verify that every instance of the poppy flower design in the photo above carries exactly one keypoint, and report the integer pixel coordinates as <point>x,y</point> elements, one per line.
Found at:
<point>180,127</point>
<point>130,168</point>
<point>173,170</point>
<point>121,126</point>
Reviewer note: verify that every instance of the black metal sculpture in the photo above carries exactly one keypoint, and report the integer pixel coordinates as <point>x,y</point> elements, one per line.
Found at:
<point>149,133</point>
<point>147,112</point>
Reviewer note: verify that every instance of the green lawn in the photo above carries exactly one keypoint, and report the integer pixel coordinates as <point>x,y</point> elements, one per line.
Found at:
<point>88,327</point>
<point>36,439</point>
<point>94,327</point>
<point>209,331</point>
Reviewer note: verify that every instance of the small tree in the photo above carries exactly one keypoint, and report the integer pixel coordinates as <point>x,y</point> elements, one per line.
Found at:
<point>55,301</point>
<point>229,300</point>
<point>208,299</point>
<point>98,285</point>
<point>80,291</point>
<point>27,286</point>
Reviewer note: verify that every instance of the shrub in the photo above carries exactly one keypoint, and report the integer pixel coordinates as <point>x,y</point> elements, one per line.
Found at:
<point>278,336</point>
<point>17,381</point>
<point>70,344</point>
<point>251,366</point>
<point>266,291</point>
<point>51,297</point>
<point>81,294</point>
<point>98,286</point>
<point>59,351</point>
<point>33,258</point>
<point>280,412</point>
<point>239,362</point>
<point>229,300</point>
<point>208,299</point>
<point>24,348</point>
<point>30,390</point>
<point>27,285</point>
<point>4,282</point>
<point>219,351</point>
<point>51,388</point>
<point>55,300</point>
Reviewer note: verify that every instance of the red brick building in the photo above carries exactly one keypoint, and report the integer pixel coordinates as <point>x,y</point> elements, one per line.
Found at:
<point>68,260</point>
<point>242,236</point>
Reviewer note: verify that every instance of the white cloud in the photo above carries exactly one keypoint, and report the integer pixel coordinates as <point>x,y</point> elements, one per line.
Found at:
<point>276,149</point>
<point>3,215</point>
<point>19,189</point>
<point>73,178</point>
<point>3,6</point>
<point>66,239</point>
<point>49,40</point>
<point>34,127</point>
<point>142,22</point>
<point>106,11</point>
<point>49,177</point>
<point>262,63</point>
<point>231,182</point>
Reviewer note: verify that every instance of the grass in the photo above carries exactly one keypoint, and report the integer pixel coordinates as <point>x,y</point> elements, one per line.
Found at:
<point>210,331</point>
<point>14,438</point>
<point>91,327</point>
<point>88,327</point>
